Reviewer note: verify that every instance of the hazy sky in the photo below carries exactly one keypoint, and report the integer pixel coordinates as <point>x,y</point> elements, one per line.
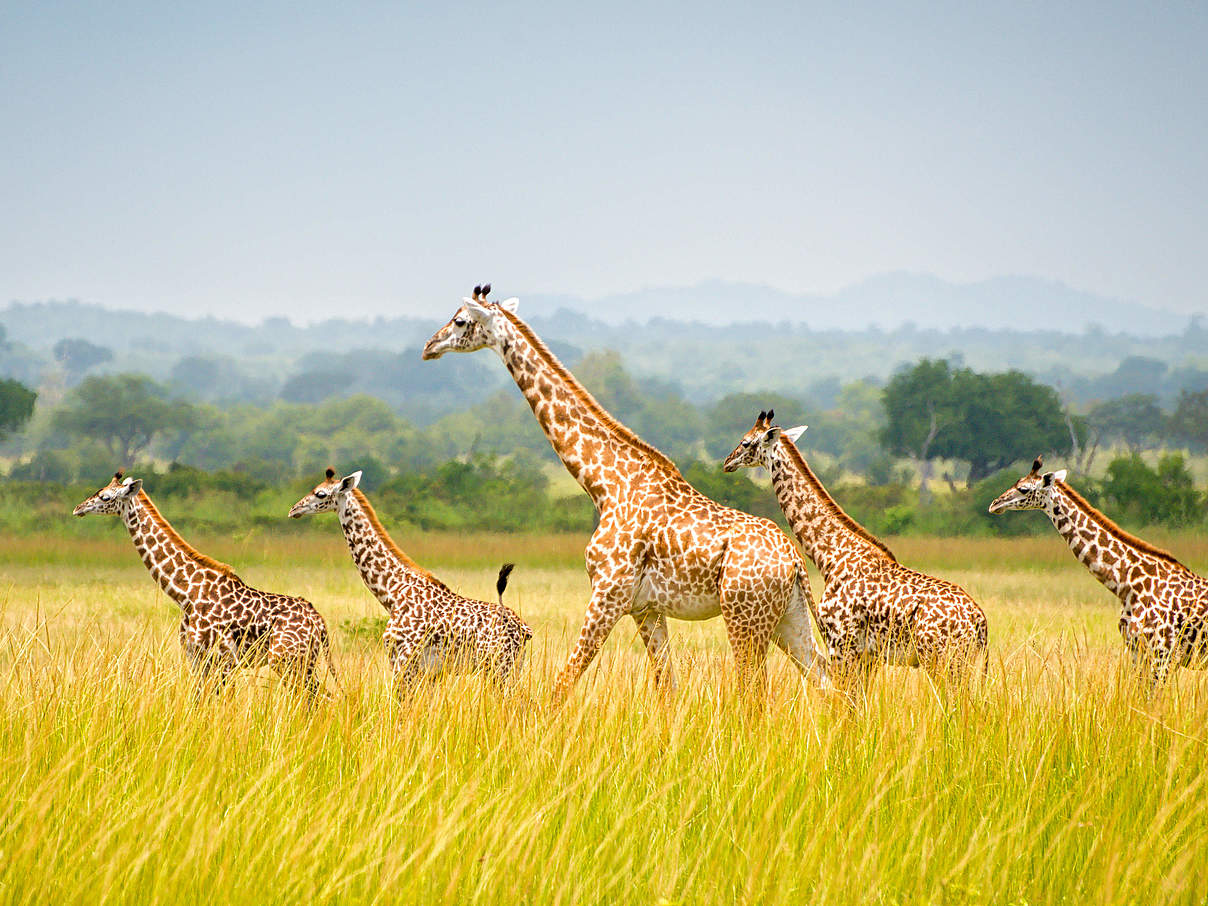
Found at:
<point>309,159</point>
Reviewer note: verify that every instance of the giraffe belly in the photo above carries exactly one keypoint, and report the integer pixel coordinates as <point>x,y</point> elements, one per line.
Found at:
<point>676,599</point>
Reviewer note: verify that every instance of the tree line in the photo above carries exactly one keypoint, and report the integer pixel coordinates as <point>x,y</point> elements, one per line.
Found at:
<point>880,449</point>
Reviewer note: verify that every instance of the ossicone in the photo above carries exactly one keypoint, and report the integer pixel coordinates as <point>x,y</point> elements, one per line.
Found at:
<point>118,474</point>
<point>330,473</point>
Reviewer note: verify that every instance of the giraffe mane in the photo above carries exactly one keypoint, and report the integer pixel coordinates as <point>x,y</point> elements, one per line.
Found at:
<point>615,427</point>
<point>1114,530</point>
<point>189,550</point>
<point>388,542</point>
<point>829,502</point>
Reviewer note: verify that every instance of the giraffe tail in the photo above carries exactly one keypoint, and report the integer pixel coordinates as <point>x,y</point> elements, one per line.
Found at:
<point>502,582</point>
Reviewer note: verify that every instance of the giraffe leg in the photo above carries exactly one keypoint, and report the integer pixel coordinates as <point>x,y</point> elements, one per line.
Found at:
<point>217,665</point>
<point>795,637</point>
<point>609,600</point>
<point>653,629</point>
<point>754,597</point>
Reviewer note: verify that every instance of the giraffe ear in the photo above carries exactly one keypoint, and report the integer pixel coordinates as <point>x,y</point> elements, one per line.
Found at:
<point>477,311</point>
<point>131,487</point>
<point>1059,475</point>
<point>794,433</point>
<point>771,435</point>
<point>510,304</point>
<point>351,481</point>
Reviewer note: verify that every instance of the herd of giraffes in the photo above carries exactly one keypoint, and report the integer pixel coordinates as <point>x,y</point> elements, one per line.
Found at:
<point>661,549</point>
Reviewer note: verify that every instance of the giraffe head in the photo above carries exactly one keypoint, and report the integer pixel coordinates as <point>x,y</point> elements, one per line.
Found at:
<point>1032,492</point>
<point>113,498</point>
<point>758,445</point>
<point>326,495</point>
<point>475,325</point>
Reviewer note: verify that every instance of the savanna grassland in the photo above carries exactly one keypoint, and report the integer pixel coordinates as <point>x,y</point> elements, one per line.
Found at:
<point>1056,781</point>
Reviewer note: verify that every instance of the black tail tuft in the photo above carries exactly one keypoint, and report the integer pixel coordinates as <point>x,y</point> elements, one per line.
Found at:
<point>502,582</point>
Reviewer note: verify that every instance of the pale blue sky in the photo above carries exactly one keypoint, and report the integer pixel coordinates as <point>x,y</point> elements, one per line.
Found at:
<point>310,159</point>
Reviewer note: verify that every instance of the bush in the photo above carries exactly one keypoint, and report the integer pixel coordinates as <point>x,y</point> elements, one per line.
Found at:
<point>1133,491</point>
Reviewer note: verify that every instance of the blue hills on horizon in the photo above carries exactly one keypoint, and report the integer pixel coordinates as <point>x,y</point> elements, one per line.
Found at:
<point>886,302</point>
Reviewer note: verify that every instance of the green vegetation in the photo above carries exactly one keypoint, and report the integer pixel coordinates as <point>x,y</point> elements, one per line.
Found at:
<point>1055,782</point>
<point>16,405</point>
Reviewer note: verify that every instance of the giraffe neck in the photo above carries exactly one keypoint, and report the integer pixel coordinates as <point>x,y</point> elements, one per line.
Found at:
<point>600,453</point>
<point>178,567</point>
<point>1110,554</point>
<point>381,563</point>
<point>830,537</point>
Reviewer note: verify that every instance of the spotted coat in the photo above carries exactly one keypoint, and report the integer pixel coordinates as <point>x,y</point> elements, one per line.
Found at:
<point>661,548</point>
<point>1164,605</point>
<point>225,623</point>
<point>873,610</point>
<point>432,629</point>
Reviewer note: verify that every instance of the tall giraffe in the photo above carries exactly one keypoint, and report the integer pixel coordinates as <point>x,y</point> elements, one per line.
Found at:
<point>225,623</point>
<point>661,549</point>
<point>873,609</point>
<point>1164,615</point>
<point>432,629</point>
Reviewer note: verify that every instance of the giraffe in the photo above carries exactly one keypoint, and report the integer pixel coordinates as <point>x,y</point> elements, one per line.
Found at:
<point>1164,605</point>
<point>431,628</point>
<point>225,623</point>
<point>661,548</point>
<point>873,609</point>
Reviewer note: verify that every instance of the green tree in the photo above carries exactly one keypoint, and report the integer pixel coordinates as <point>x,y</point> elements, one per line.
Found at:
<point>986,420</point>
<point>123,412</point>
<point>918,405</point>
<point>1136,419</point>
<point>1001,418</point>
<point>78,355</point>
<point>315,386</point>
<point>1189,423</point>
<point>16,405</point>
<point>1167,494</point>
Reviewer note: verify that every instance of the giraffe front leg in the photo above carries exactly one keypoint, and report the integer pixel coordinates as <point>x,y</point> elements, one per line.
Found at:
<point>609,601</point>
<point>653,629</point>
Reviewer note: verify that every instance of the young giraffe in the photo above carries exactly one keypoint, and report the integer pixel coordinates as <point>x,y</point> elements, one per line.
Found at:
<point>874,609</point>
<point>661,549</point>
<point>431,628</point>
<point>226,623</point>
<point>1164,619</point>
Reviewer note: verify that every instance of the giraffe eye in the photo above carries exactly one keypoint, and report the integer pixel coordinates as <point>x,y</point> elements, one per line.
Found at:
<point>460,322</point>
<point>320,494</point>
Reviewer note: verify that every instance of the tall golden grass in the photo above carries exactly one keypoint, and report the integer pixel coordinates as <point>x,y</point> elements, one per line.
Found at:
<point>1057,780</point>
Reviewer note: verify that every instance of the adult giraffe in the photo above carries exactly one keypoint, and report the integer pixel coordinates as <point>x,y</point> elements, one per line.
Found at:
<point>661,549</point>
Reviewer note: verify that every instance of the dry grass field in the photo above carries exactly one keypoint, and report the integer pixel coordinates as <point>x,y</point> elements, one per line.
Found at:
<point>1056,781</point>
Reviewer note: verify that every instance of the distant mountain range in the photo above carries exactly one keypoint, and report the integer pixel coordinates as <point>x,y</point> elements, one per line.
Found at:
<point>886,301</point>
